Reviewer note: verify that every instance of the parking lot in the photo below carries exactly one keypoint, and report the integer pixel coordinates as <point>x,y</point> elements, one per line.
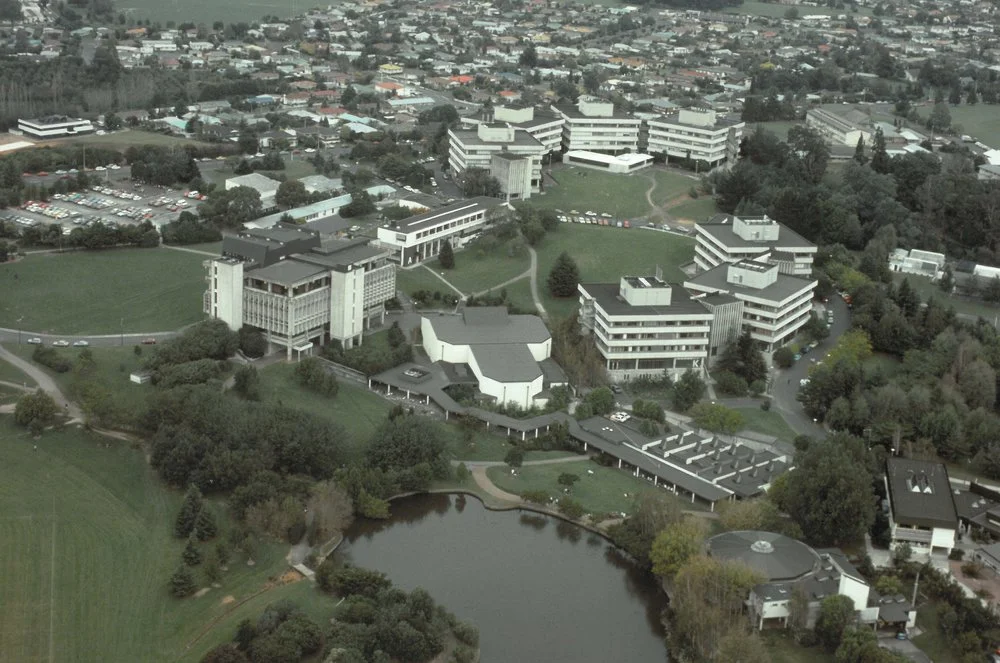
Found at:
<point>112,202</point>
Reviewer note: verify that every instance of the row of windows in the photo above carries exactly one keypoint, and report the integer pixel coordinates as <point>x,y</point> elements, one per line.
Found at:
<point>448,226</point>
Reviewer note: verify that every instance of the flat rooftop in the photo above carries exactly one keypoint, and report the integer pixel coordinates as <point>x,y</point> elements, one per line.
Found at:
<point>716,278</point>
<point>720,227</point>
<point>920,493</point>
<point>626,159</point>
<point>608,296</point>
<point>445,214</point>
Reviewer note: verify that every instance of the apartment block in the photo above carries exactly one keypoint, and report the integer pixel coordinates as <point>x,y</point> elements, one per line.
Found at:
<point>595,126</point>
<point>510,154</point>
<point>419,238</point>
<point>726,239</point>
<point>700,135</point>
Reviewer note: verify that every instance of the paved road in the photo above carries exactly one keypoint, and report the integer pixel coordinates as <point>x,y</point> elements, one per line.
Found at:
<point>534,284</point>
<point>786,381</point>
<point>44,381</point>
<point>11,336</point>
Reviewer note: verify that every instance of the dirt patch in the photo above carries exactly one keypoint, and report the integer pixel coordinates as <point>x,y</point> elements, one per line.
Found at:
<point>289,577</point>
<point>201,592</point>
<point>987,580</point>
<point>226,600</point>
<point>674,202</point>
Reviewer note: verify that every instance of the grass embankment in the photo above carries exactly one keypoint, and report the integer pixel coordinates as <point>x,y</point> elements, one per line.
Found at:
<point>697,211</point>
<point>607,490</point>
<point>86,550</point>
<point>767,423</point>
<point>475,271</point>
<point>102,292</point>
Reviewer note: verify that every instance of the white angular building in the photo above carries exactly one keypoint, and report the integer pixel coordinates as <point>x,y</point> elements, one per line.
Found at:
<point>54,126</point>
<point>726,238</point>
<point>510,154</point>
<point>298,290</point>
<point>700,135</point>
<point>419,238</point>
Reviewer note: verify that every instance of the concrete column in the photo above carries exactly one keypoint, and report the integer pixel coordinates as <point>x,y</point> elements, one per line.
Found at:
<point>711,507</point>
<point>369,383</point>
<point>388,390</point>
<point>523,435</point>
<point>585,448</point>
<point>407,393</point>
<point>692,498</point>
<point>619,463</point>
<point>637,473</point>
<point>656,480</point>
<point>536,432</point>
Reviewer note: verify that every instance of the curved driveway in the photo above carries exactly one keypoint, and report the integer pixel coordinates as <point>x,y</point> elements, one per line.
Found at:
<point>44,381</point>
<point>10,336</point>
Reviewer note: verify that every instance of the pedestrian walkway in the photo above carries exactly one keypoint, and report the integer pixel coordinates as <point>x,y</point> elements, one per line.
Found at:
<point>45,382</point>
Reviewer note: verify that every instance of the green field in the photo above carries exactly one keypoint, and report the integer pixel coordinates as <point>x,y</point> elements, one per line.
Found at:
<point>10,373</point>
<point>927,289</point>
<point>767,423</point>
<point>604,491</point>
<point>474,272</point>
<point>784,649</point>
<point>779,127</point>
<point>981,121</point>
<point>585,190</point>
<point>938,646</point>
<point>697,210</point>
<point>96,292</point>
<point>129,137</point>
<point>605,254</point>
<point>86,550</point>
<point>293,171</point>
<point>769,10</point>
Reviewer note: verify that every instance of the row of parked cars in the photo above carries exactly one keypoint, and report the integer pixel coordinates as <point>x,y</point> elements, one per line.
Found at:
<point>84,200</point>
<point>48,209</point>
<point>593,218</point>
<point>116,193</point>
<point>60,343</point>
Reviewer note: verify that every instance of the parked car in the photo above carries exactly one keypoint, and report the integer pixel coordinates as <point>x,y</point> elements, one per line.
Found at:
<point>615,389</point>
<point>35,341</point>
<point>149,341</point>
<point>803,382</point>
<point>60,344</point>
<point>81,343</point>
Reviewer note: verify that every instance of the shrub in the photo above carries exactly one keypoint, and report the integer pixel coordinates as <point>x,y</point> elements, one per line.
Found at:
<point>51,358</point>
<point>189,372</point>
<point>311,374</point>
<point>730,383</point>
<point>784,357</point>
<point>972,569</point>
<point>571,508</point>
<point>536,496</point>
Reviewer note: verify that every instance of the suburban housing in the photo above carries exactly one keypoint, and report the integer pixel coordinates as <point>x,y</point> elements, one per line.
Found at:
<point>418,238</point>
<point>297,289</point>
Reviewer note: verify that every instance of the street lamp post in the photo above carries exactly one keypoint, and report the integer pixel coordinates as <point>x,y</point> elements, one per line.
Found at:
<point>19,329</point>
<point>121,330</point>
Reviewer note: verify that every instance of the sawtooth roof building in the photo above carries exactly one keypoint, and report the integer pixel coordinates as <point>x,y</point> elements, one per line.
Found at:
<point>921,504</point>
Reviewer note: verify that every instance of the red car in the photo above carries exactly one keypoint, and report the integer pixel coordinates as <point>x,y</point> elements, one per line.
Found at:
<point>149,341</point>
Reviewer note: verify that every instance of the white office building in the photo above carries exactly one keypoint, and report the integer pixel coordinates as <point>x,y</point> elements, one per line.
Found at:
<point>298,290</point>
<point>841,126</point>
<point>54,126</point>
<point>915,261</point>
<point>595,126</point>
<point>643,326</point>
<point>775,305</point>
<point>511,155</point>
<point>419,238</point>
<point>726,238</point>
<point>700,135</point>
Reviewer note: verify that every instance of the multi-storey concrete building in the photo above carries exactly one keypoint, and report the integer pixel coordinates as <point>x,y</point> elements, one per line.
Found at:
<point>699,135</point>
<point>645,327</point>
<point>841,126</point>
<point>775,305</point>
<point>510,154</point>
<point>298,290</point>
<point>595,126</point>
<point>54,126</point>
<point>418,238</point>
<point>726,238</point>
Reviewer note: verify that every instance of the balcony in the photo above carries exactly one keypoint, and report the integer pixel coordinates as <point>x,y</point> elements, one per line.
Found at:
<point>911,535</point>
<point>206,302</point>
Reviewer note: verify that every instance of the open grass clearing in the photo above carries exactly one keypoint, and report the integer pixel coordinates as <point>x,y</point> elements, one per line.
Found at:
<point>779,128</point>
<point>120,140</point>
<point>100,292</point>
<point>583,190</point>
<point>476,270</point>
<point>981,121</point>
<point>927,289</point>
<point>766,423</point>
<point>697,210</point>
<point>604,254</point>
<point>670,184</point>
<point>86,547</point>
<point>11,373</point>
<point>607,490</point>
<point>293,170</point>
<point>784,649</point>
<point>769,10</point>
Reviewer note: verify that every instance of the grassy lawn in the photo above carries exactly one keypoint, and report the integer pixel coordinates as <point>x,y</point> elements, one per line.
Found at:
<point>356,409</point>
<point>927,289</point>
<point>293,171</point>
<point>768,423</point>
<point>10,373</point>
<point>604,491</point>
<point>605,254</point>
<point>586,190</point>
<point>476,271</point>
<point>779,127</point>
<point>934,643</point>
<point>210,247</point>
<point>418,278</point>
<point>769,10</point>
<point>980,121</point>
<point>784,649</point>
<point>130,137</point>
<point>670,184</point>
<point>697,210</point>
<point>86,547</point>
<point>92,292</point>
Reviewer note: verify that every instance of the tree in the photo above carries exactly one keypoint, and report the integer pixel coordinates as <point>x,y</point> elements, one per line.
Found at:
<point>564,277</point>
<point>292,193</point>
<point>567,479</point>
<point>717,418</point>
<point>446,257</point>
<point>743,358</point>
<point>571,508</point>
<point>755,514</point>
<point>784,357</point>
<point>835,613</point>
<point>188,515</point>
<point>479,182</point>
<point>246,383</point>
<point>859,152</point>
<point>205,527</point>
<point>881,163</point>
<point>191,554</point>
<point>332,510</point>
<point>688,390</point>
<point>225,653</point>
<point>830,492</point>
<point>528,57</point>
<point>514,457</point>
<point>738,646</point>
<point>35,410</point>
<point>940,118</point>
<point>396,336</point>
<point>601,400</point>
<point>182,582</point>
<point>677,543</point>
<point>112,122</point>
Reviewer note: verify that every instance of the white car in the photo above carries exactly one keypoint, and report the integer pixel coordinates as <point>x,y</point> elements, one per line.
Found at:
<point>81,343</point>
<point>34,341</point>
<point>115,166</point>
<point>101,168</point>
<point>310,150</point>
<point>60,344</point>
<point>803,382</point>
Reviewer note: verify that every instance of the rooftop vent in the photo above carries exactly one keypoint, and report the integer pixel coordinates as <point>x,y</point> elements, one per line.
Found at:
<point>762,547</point>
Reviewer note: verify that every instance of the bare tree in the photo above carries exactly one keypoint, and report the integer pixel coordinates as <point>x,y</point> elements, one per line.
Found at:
<point>331,510</point>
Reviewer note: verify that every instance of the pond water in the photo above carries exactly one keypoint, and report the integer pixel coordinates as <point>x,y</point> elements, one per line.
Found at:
<point>538,589</point>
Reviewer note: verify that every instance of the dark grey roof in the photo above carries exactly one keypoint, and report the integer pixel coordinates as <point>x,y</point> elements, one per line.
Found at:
<point>720,227</point>
<point>674,118</point>
<point>521,137</point>
<point>775,556</point>
<point>715,279</point>
<point>920,493</point>
<point>489,325</point>
<point>343,252</point>
<point>969,505</point>
<point>608,297</point>
<point>506,362</point>
<point>287,272</point>
<point>574,113</point>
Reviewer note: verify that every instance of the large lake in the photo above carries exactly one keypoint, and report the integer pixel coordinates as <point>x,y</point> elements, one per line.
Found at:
<point>539,589</point>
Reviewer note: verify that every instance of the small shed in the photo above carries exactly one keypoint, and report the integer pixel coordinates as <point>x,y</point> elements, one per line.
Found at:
<point>140,377</point>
